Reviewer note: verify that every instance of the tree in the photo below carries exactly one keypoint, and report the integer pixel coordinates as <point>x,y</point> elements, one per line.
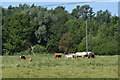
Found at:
<point>65,43</point>
<point>80,12</point>
<point>85,12</point>
<point>77,28</point>
<point>41,34</point>
<point>56,30</point>
<point>45,20</point>
<point>103,16</point>
<point>17,34</point>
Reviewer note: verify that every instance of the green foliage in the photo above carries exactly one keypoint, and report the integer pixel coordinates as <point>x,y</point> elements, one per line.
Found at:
<point>83,12</point>
<point>41,33</point>
<point>103,16</point>
<point>26,52</point>
<point>77,28</point>
<point>17,38</point>
<point>104,46</point>
<point>66,43</point>
<point>52,46</point>
<point>39,49</point>
<point>81,47</point>
<point>56,30</point>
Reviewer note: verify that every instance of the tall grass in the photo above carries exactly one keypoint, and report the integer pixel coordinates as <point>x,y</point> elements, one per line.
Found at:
<point>47,66</point>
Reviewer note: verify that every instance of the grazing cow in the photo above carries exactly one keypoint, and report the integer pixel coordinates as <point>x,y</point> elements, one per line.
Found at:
<point>30,59</point>
<point>58,55</point>
<point>22,57</point>
<point>73,55</point>
<point>91,55</point>
<point>84,54</point>
<point>68,56</point>
<point>81,54</point>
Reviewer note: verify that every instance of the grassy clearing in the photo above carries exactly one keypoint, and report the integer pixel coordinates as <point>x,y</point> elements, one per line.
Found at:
<point>49,67</point>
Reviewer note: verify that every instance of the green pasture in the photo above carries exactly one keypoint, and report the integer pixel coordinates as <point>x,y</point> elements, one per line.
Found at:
<point>47,66</point>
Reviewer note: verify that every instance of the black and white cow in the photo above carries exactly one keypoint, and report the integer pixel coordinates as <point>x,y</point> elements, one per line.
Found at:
<point>22,57</point>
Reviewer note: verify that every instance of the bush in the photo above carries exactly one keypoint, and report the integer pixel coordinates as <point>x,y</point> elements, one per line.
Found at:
<point>82,46</point>
<point>39,49</point>
<point>26,52</point>
<point>105,46</point>
<point>101,46</point>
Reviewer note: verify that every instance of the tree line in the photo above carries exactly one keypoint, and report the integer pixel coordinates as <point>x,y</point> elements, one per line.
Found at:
<point>33,29</point>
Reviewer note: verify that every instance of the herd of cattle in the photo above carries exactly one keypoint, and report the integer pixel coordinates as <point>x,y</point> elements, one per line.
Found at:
<point>67,56</point>
<point>75,55</point>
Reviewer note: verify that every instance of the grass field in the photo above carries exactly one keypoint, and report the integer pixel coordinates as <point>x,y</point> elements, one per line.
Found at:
<point>48,67</point>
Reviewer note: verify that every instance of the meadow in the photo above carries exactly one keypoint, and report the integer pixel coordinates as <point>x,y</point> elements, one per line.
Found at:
<point>47,66</point>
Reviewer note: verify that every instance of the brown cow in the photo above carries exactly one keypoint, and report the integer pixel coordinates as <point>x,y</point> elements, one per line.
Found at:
<point>30,59</point>
<point>58,55</point>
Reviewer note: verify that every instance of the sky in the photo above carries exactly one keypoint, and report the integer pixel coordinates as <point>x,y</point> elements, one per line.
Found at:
<point>57,0</point>
<point>106,5</point>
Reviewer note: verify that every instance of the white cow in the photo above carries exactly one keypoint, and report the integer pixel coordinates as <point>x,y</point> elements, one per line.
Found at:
<point>71,55</point>
<point>68,56</point>
<point>83,54</point>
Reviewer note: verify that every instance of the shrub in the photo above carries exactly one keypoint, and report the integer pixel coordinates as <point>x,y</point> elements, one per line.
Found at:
<point>26,52</point>
<point>105,46</point>
<point>39,49</point>
<point>101,46</point>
